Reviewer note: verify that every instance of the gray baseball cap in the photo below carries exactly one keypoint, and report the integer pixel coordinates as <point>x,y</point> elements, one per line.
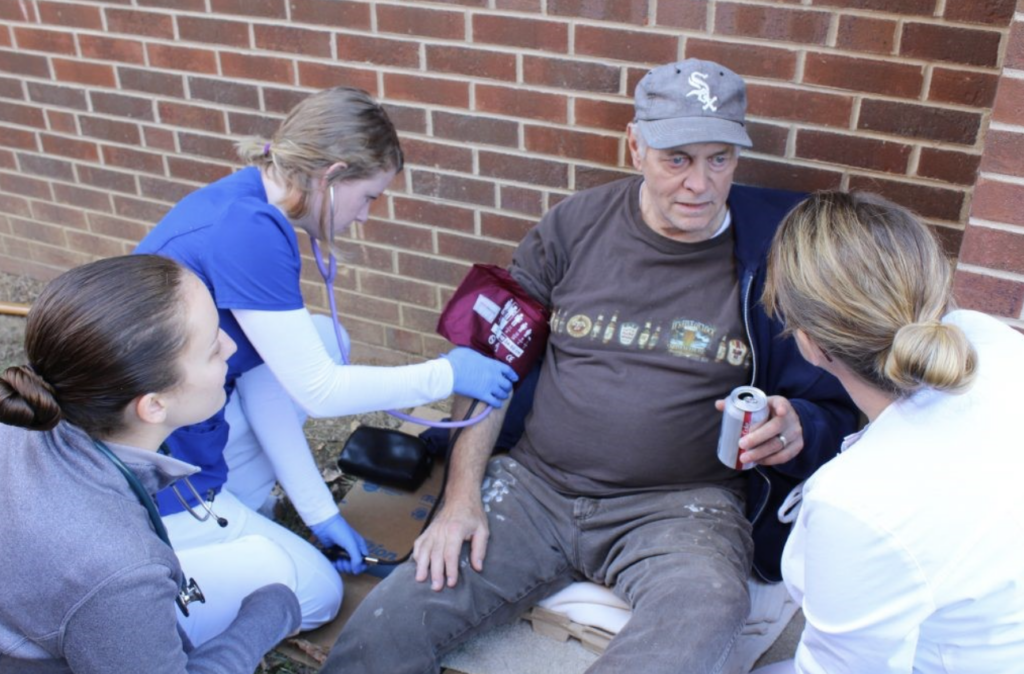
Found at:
<point>691,101</point>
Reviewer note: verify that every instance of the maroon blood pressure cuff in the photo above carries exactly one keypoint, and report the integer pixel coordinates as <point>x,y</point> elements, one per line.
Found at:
<point>492,314</point>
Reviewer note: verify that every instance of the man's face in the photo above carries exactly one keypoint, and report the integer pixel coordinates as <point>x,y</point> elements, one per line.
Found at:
<point>685,188</point>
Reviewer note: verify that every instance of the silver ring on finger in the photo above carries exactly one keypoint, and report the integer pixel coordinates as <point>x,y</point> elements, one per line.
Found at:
<point>782,439</point>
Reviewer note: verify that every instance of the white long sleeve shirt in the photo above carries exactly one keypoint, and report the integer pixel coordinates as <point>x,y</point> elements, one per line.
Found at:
<point>908,553</point>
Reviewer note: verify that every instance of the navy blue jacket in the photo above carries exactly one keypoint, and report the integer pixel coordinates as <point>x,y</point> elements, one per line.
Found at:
<point>826,412</point>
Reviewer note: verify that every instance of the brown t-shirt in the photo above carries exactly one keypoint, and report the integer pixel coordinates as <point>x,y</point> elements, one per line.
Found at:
<point>646,335</point>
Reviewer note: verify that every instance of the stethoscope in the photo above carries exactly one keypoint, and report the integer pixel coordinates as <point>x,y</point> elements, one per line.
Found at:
<point>329,272</point>
<point>188,591</point>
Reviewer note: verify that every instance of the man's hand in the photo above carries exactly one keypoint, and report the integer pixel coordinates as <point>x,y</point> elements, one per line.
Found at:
<point>775,441</point>
<point>437,550</point>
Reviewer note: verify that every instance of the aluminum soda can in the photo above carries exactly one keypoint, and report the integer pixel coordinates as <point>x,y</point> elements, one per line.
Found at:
<point>745,408</point>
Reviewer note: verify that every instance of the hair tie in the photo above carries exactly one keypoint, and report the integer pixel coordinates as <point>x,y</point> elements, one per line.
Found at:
<point>266,149</point>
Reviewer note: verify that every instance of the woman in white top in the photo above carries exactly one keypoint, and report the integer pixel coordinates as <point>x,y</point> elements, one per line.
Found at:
<point>908,551</point>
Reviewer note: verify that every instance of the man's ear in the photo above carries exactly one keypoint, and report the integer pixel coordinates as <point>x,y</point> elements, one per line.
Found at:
<point>634,147</point>
<point>151,408</point>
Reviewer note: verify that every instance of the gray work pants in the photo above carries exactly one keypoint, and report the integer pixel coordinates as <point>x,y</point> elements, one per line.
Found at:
<point>681,560</point>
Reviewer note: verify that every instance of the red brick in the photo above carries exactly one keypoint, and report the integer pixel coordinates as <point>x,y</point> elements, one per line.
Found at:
<point>73,195</point>
<point>10,87</point>
<point>867,34</point>
<point>998,201</point>
<point>848,150</point>
<point>7,160</point>
<point>25,186</point>
<point>521,169</point>
<point>151,81</point>
<point>322,76</point>
<point>116,227</point>
<point>187,5</point>
<point>472,62</point>
<point>689,14</point>
<point>371,308</point>
<point>92,74</point>
<point>266,68</point>
<point>785,175</point>
<point>468,128</point>
<point>46,167</point>
<point>214,147</point>
<point>111,49</point>
<point>912,7</point>
<point>1003,151</point>
<point>37,231</point>
<point>332,13</point>
<point>241,124</point>
<point>948,43</point>
<point>520,200</point>
<point>576,145</point>
<point>453,188</point>
<point>948,166</point>
<point>625,45</point>
<point>435,214</point>
<point>122,105</point>
<point>224,93</point>
<point>6,39</point>
<point>745,59</point>
<point>963,87</point>
<point>268,9</point>
<point>771,23</point>
<point>58,215</point>
<point>282,100</point>
<point>36,39</point>
<point>95,246</point>
<point>293,40</point>
<point>573,75</point>
<point>993,249</point>
<point>69,147</point>
<point>1014,57</point>
<point>949,239</point>
<point>149,24</point>
<point>768,138</point>
<point>137,209</point>
<point>196,171</point>
<point>17,11</point>
<point>61,122</point>
<point>996,296</point>
<point>434,23</point>
<point>438,155</point>
<point>106,179</point>
<point>407,119</point>
<point>190,59</point>
<point>379,51</point>
<point>516,102</point>
<point>925,200</point>
<point>192,116</point>
<point>620,11</point>
<point>12,205</point>
<point>799,105</point>
<point>382,285</point>
<point>69,14</point>
<point>993,12</point>
<point>56,95</point>
<point>403,340</point>
<point>545,35</point>
<point>855,74</point>
<point>519,5</point>
<point>33,65</point>
<point>23,115</point>
<point>1009,104</point>
<point>164,190</point>
<point>919,121</point>
<point>159,138</point>
<point>426,90</point>
<point>609,115</point>
<point>498,226</point>
<point>18,138</point>
<point>395,235</point>
<point>214,31</point>
<point>475,248</point>
<point>135,160</point>
<point>418,319</point>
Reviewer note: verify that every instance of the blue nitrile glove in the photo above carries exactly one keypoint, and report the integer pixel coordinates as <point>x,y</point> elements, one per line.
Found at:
<point>336,531</point>
<point>480,377</point>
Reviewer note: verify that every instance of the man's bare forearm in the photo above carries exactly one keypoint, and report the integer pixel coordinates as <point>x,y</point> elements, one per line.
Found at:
<point>472,449</point>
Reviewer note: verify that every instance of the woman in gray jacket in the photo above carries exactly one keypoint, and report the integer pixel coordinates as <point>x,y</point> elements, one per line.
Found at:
<point>121,352</point>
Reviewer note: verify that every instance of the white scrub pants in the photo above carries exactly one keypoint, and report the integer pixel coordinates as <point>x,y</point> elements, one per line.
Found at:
<point>231,562</point>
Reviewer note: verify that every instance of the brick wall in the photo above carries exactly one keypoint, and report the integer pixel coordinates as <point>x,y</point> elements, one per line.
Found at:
<point>112,110</point>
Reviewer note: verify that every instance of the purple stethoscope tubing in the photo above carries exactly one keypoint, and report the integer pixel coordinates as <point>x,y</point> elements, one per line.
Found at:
<point>329,272</point>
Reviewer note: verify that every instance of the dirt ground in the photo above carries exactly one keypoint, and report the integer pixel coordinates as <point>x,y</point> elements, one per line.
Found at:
<point>325,436</point>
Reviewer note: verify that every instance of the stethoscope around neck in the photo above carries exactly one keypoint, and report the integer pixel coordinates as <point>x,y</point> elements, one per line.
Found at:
<point>188,590</point>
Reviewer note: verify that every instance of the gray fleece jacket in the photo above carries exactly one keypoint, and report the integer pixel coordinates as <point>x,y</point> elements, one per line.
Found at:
<point>88,586</point>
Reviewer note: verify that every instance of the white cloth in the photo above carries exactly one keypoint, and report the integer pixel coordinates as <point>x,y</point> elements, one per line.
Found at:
<point>289,344</point>
<point>227,573</point>
<point>908,553</point>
